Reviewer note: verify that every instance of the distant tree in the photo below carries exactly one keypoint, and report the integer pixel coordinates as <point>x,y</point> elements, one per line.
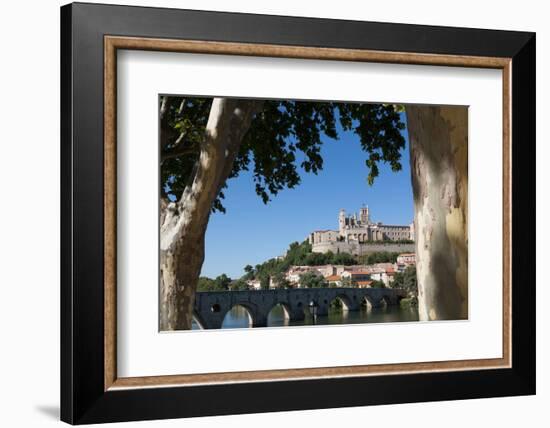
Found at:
<point>378,257</point>
<point>249,273</point>
<point>297,254</point>
<point>406,280</point>
<point>238,285</point>
<point>316,259</point>
<point>329,255</point>
<point>346,282</point>
<point>312,280</point>
<point>206,284</point>
<point>280,280</point>
<point>222,282</point>
<point>344,259</point>
<point>320,283</point>
<point>264,281</point>
<point>378,284</point>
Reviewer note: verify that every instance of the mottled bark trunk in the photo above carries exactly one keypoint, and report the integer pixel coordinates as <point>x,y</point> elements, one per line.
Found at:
<point>183,223</point>
<point>439,166</point>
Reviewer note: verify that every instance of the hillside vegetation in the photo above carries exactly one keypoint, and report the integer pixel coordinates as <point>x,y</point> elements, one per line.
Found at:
<point>298,254</point>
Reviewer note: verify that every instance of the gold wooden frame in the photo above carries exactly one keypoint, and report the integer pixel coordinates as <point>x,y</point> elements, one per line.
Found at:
<point>113,43</point>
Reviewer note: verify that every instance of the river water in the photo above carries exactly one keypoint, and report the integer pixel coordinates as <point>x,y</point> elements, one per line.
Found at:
<point>238,317</point>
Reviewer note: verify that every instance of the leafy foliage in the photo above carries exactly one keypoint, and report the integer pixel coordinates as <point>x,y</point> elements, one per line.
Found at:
<point>312,280</point>
<point>182,126</point>
<point>220,283</point>
<point>239,284</point>
<point>406,280</point>
<point>298,254</point>
<point>280,281</point>
<point>346,282</point>
<point>284,137</point>
<point>378,284</point>
<point>264,281</point>
<point>378,257</point>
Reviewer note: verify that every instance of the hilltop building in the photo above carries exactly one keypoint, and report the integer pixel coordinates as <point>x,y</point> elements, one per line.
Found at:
<point>358,235</point>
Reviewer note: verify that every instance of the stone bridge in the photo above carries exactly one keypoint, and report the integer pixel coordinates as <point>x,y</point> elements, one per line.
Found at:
<point>212,306</point>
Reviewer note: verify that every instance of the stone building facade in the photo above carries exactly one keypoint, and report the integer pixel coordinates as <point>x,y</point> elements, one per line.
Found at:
<point>356,231</point>
<point>407,259</point>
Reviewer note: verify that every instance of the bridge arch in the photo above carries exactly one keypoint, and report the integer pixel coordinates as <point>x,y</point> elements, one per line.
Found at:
<point>394,299</point>
<point>285,306</point>
<point>279,315</point>
<point>386,300</point>
<point>344,300</point>
<point>230,321</point>
<point>198,322</point>
<point>373,301</point>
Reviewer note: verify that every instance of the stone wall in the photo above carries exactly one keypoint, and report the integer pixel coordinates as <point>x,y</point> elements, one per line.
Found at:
<point>361,249</point>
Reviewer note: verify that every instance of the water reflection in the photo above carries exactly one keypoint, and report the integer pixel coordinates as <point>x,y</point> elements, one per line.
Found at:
<point>338,315</point>
<point>238,317</point>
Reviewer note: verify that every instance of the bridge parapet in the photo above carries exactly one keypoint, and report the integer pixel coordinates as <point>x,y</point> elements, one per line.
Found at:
<point>212,306</point>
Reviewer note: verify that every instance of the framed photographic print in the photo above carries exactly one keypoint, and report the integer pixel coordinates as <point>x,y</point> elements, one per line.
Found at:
<point>257,207</point>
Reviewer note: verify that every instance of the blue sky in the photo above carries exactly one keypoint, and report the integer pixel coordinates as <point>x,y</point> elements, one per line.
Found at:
<point>251,232</point>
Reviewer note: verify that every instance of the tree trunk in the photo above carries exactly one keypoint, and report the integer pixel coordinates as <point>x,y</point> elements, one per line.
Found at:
<point>439,167</point>
<point>183,223</point>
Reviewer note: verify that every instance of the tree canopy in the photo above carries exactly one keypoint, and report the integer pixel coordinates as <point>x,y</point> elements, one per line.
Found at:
<point>284,137</point>
<point>220,283</point>
<point>378,257</point>
<point>406,280</point>
<point>312,280</point>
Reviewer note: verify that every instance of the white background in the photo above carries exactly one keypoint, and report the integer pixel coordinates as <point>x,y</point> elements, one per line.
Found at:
<point>142,351</point>
<point>29,218</point>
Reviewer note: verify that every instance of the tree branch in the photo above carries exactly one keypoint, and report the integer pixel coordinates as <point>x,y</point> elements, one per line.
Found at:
<point>164,105</point>
<point>228,122</point>
<point>237,136</point>
<point>165,131</point>
<point>182,105</point>
<point>178,150</point>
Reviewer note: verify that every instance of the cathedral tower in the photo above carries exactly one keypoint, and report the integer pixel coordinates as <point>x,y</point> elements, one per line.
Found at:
<point>364,216</point>
<point>342,221</point>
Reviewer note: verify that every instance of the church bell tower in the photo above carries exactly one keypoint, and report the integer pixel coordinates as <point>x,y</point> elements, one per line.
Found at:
<point>364,215</point>
<point>342,222</point>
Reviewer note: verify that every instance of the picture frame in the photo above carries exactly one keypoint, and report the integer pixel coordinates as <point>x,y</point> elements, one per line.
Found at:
<point>91,391</point>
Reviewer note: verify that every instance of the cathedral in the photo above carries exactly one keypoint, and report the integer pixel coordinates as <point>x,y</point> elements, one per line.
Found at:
<point>360,229</point>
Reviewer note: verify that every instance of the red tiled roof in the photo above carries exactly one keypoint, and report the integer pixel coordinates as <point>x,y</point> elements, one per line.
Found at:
<point>333,278</point>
